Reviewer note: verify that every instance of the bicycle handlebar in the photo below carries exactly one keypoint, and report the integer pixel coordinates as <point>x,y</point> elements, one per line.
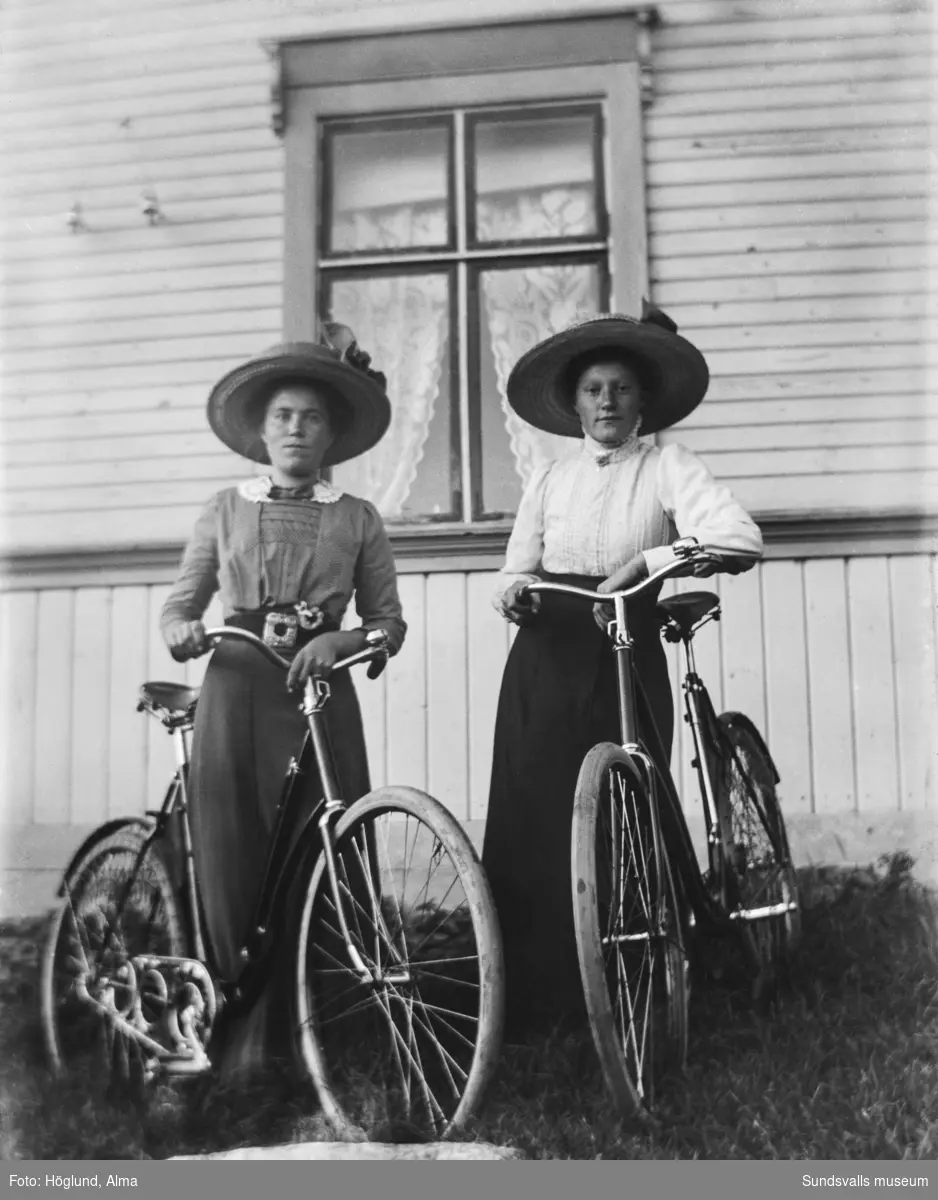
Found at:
<point>377,637</point>
<point>690,558</point>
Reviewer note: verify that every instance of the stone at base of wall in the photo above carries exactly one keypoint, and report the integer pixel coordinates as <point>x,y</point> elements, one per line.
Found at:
<point>34,856</point>
<point>420,1152</point>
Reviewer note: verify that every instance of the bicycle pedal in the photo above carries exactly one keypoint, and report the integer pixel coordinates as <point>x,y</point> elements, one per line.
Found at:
<point>184,1064</point>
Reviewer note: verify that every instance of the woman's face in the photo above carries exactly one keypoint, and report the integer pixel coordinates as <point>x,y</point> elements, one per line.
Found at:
<point>296,430</point>
<point>608,402</point>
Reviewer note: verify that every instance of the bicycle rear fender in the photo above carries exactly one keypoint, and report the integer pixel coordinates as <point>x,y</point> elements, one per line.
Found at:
<point>98,835</point>
<point>738,720</point>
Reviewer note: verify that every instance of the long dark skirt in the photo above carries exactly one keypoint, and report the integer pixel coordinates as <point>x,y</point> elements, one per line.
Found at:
<point>558,698</point>
<point>247,728</point>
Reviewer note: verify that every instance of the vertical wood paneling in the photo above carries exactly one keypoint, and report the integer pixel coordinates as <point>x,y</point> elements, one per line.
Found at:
<point>128,729</point>
<point>52,743</point>
<point>18,643</point>
<point>743,651</point>
<point>788,727</point>
<point>914,605</point>
<point>407,692</point>
<point>873,691</point>
<point>373,700</point>
<point>487,634</point>
<point>844,652</point>
<point>90,705</point>
<point>160,665</point>
<point>447,687</point>
<point>829,686</point>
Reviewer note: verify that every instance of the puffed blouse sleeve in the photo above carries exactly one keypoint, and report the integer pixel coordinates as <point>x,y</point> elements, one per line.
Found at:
<point>197,581</point>
<point>701,508</point>
<point>376,599</point>
<point>526,544</point>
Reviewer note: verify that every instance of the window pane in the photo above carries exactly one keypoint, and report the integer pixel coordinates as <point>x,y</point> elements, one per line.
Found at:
<point>535,178</point>
<point>389,188</point>
<point>402,321</point>
<point>518,308</point>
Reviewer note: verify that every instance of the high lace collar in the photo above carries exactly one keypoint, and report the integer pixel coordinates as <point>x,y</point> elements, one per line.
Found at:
<point>602,455</point>
<point>262,487</point>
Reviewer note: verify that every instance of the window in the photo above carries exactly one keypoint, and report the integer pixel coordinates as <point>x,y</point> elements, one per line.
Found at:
<point>453,222</point>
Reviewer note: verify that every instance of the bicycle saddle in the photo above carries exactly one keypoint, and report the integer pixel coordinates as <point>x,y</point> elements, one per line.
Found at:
<point>686,609</point>
<point>175,699</point>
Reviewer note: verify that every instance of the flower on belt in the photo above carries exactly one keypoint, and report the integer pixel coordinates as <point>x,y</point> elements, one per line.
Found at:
<point>309,616</point>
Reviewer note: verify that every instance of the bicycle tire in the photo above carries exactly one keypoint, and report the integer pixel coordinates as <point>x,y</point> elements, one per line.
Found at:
<point>405,1058</point>
<point>630,930</point>
<point>75,1037</point>
<point>754,845</point>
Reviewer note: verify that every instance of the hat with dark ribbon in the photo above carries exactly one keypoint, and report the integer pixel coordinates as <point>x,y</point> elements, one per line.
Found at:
<point>673,372</point>
<point>335,363</point>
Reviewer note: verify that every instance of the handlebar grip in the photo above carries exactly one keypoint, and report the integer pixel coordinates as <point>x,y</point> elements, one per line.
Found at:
<point>376,666</point>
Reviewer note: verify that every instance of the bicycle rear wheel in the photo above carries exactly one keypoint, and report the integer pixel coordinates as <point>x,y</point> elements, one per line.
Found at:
<point>115,907</point>
<point>758,867</point>
<point>630,936</point>
<point>407,1047</point>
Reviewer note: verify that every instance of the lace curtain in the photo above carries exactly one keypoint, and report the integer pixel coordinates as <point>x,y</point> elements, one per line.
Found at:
<point>524,305</point>
<point>402,321</point>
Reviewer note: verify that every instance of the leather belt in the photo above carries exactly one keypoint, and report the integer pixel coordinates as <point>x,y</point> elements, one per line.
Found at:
<point>284,626</point>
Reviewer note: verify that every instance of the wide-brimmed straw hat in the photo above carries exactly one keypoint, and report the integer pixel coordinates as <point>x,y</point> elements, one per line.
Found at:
<point>673,372</point>
<point>235,410</point>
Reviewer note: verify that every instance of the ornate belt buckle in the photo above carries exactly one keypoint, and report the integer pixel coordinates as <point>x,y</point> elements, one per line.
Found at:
<point>309,617</point>
<point>280,630</point>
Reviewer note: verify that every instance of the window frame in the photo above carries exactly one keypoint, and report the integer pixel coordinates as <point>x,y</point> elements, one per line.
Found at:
<point>575,60</point>
<point>533,112</point>
<point>386,121</point>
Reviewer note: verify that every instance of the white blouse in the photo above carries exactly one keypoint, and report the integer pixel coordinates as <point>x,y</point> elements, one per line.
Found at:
<point>590,513</point>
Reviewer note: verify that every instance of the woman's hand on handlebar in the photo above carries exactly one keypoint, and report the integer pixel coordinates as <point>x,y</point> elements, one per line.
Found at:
<point>186,639</point>
<point>319,656</point>
<point>517,605</point>
<point>632,573</point>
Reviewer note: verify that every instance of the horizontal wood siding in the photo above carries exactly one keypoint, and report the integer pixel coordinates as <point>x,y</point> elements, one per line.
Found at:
<point>788,176</point>
<point>834,659</point>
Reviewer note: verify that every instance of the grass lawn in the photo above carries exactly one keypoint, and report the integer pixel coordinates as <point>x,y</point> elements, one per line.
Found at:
<point>843,1066</point>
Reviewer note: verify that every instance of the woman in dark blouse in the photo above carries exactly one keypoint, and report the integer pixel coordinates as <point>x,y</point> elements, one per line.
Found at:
<point>281,548</point>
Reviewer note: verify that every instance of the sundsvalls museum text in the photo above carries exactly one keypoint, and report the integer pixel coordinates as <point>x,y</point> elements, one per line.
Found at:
<point>70,1181</point>
<point>853,1181</point>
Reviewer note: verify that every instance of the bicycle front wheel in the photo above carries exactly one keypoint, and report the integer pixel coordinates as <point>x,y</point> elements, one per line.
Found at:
<point>630,937</point>
<point>760,876</point>
<point>404,1042</point>
<point>119,903</point>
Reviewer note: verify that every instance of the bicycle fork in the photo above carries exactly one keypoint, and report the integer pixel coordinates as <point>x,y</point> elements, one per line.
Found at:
<point>628,728</point>
<point>315,696</point>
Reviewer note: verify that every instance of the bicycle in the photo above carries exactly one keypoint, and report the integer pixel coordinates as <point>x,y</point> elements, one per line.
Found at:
<point>639,895</point>
<point>396,981</point>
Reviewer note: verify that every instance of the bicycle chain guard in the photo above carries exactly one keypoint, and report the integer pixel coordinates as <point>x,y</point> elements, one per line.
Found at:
<point>167,1005</point>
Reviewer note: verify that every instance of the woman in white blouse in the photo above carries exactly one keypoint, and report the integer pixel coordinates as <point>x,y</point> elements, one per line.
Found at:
<point>603,518</point>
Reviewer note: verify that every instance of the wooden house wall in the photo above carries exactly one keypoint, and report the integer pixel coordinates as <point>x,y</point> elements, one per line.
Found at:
<point>788,170</point>
<point>833,658</point>
<point>788,175</point>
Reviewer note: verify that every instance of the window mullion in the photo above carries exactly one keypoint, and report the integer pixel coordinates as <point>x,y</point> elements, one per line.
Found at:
<point>462,322</point>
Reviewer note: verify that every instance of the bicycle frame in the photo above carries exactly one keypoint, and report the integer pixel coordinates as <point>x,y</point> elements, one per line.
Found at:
<point>283,860</point>
<point>315,836</point>
<point>699,713</point>
<point>681,847</point>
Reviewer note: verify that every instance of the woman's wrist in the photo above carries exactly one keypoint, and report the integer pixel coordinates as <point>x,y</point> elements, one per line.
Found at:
<point>357,640</point>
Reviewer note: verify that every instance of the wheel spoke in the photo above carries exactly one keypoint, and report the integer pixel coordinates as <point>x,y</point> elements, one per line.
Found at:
<point>119,903</point>
<point>409,1048</point>
<point>636,1007</point>
<point>752,829</point>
